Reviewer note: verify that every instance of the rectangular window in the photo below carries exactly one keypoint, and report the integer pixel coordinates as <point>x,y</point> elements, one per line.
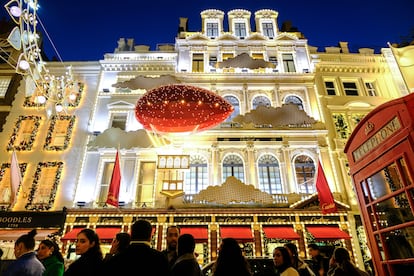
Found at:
<point>59,133</point>
<point>24,133</point>
<point>257,55</point>
<point>212,30</point>
<point>267,28</point>
<point>212,61</point>
<point>4,85</point>
<point>240,29</point>
<point>350,88</point>
<point>371,91</point>
<point>198,62</point>
<point>146,184</point>
<point>330,88</point>
<point>119,120</point>
<point>45,184</point>
<point>288,63</point>
<point>105,181</point>
<point>225,56</point>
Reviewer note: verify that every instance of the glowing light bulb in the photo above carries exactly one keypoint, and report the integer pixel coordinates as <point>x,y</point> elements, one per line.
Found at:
<point>41,99</point>
<point>58,107</point>
<point>24,65</point>
<point>72,97</point>
<point>15,11</point>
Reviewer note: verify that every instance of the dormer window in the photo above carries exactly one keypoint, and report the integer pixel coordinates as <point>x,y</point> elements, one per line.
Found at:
<point>240,29</point>
<point>267,28</point>
<point>212,29</point>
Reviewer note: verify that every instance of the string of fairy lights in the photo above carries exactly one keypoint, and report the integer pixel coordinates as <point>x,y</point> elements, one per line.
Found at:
<point>53,92</point>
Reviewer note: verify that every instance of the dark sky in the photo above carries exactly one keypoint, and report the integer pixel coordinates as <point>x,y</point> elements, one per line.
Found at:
<point>87,29</point>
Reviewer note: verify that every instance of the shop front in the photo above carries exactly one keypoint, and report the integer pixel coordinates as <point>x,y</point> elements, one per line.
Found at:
<point>14,224</point>
<point>258,231</point>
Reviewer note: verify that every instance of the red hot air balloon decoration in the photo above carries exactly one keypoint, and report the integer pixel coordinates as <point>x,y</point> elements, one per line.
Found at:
<point>177,108</point>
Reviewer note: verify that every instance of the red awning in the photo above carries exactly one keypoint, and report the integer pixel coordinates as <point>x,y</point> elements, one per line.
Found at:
<point>104,233</point>
<point>280,232</point>
<point>199,233</point>
<point>71,235</point>
<point>14,234</point>
<point>236,232</point>
<point>327,232</point>
<point>107,233</point>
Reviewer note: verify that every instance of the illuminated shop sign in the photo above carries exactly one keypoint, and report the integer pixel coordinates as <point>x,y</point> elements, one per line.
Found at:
<point>380,136</point>
<point>32,219</point>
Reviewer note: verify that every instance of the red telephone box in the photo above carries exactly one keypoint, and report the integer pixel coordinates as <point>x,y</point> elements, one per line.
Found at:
<point>380,152</point>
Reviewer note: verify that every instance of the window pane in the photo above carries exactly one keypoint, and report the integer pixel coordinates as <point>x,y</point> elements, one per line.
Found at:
<point>233,166</point>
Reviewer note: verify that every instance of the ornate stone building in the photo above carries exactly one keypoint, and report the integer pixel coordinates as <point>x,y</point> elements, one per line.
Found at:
<point>251,177</point>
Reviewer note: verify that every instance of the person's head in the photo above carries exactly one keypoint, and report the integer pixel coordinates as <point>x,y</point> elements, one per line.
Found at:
<point>87,241</point>
<point>141,230</point>
<point>281,258</point>
<point>230,247</point>
<point>341,255</point>
<point>230,258</point>
<point>120,242</point>
<point>186,244</point>
<point>25,243</point>
<point>48,248</point>
<point>173,232</point>
<point>292,250</point>
<point>313,250</point>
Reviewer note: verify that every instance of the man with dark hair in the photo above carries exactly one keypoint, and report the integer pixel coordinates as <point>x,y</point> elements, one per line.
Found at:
<point>186,264</point>
<point>173,232</point>
<point>138,257</point>
<point>320,263</point>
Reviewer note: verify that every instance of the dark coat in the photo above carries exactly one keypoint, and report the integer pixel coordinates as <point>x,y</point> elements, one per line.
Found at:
<point>89,264</point>
<point>140,258</point>
<point>25,265</point>
<point>186,265</point>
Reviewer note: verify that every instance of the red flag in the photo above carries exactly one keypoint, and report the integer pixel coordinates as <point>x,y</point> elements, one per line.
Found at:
<point>15,178</point>
<point>114,186</point>
<point>325,196</point>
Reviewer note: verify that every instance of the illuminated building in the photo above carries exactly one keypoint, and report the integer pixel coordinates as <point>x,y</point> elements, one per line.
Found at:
<point>251,177</point>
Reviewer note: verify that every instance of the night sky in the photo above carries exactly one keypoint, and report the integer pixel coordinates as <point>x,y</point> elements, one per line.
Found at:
<point>86,30</point>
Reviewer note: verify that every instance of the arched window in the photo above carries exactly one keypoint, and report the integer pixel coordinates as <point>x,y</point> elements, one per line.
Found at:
<point>233,166</point>
<point>305,174</point>
<point>261,100</point>
<point>236,105</point>
<point>269,175</point>
<point>196,179</point>
<point>294,100</point>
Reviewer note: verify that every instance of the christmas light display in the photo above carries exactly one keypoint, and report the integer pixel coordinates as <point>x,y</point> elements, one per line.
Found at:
<point>181,108</point>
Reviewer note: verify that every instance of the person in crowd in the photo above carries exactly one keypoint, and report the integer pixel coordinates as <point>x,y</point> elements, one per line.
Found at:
<point>49,254</point>
<point>283,263</point>
<point>1,266</point>
<point>119,244</point>
<point>139,256</point>
<point>186,264</point>
<point>89,248</point>
<point>26,264</point>
<point>340,264</point>
<point>173,232</point>
<point>320,263</point>
<point>230,260</point>
<point>300,265</point>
